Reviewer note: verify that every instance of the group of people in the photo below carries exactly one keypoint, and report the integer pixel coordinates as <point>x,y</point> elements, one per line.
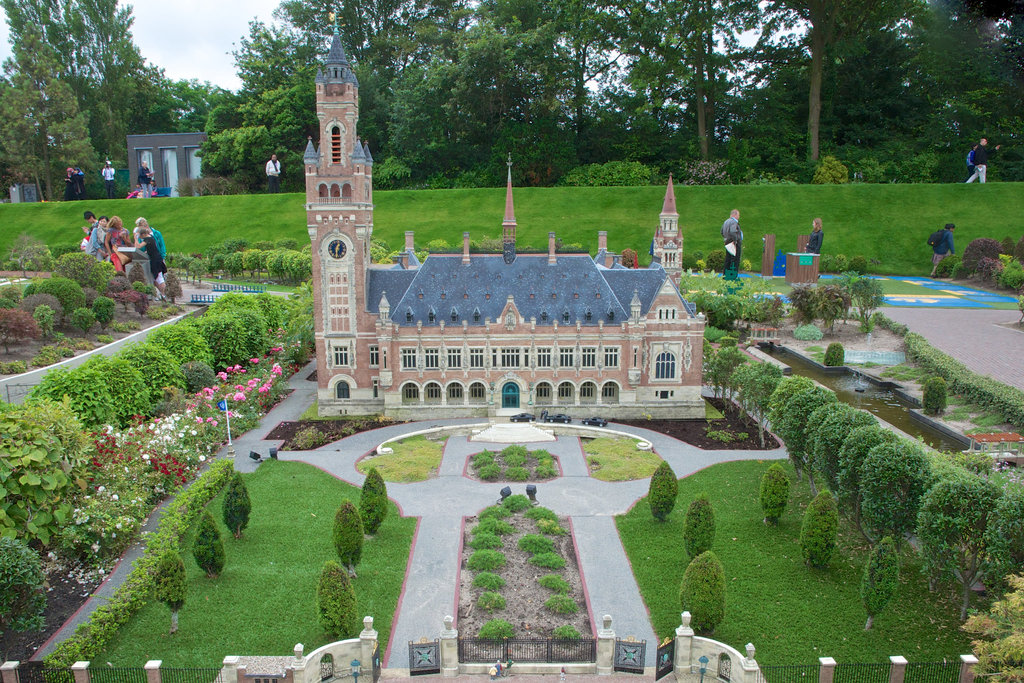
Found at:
<point>977,161</point>
<point>732,236</point>
<point>74,184</point>
<point>106,239</point>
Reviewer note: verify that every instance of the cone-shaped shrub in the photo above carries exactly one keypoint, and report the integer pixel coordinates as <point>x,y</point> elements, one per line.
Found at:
<point>664,488</point>
<point>699,526</point>
<point>934,399</point>
<point>336,602</point>
<point>702,592</point>
<point>835,355</point>
<point>818,533</point>
<point>170,584</point>
<point>207,547</point>
<point>881,579</point>
<point>236,506</point>
<point>774,493</point>
<point>373,503</point>
<point>348,536</point>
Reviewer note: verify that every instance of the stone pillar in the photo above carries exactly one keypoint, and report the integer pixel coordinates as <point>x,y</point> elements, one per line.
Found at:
<point>684,647</point>
<point>409,240</point>
<point>9,672</point>
<point>749,665</point>
<point>605,647</point>
<point>299,663</point>
<point>240,675</point>
<point>81,672</point>
<point>552,259</point>
<point>967,663</point>
<point>449,649</point>
<point>367,642</point>
<point>229,668</point>
<point>897,669</point>
<point>602,240</point>
<point>827,672</point>
<point>153,671</point>
<point>465,248</point>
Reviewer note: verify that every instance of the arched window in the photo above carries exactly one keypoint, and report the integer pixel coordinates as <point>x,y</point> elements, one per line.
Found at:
<point>455,393</point>
<point>322,190</point>
<point>410,393</point>
<point>346,192</point>
<point>588,392</point>
<point>335,190</point>
<point>665,366</point>
<point>477,393</point>
<point>335,145</point>
<point>476,315</point>
<point>455,315</point>
<point>341,390</point>
<point>544,393</point>
<point>610,392</point>
<point>432,393</point>
<point>565,392</point>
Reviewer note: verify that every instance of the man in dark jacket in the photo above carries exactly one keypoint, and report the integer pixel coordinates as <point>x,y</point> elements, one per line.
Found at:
<point>732,236</point>
<point>943,248</point>
<point>981,153</point>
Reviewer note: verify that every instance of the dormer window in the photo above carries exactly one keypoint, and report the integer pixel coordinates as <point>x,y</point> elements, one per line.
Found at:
<point>431,315</point>
<point>455,315</point>
<point>611,314</point>
<point>408,315</point>
<point>476,315</point>
<point>588,315</point>
<point>565,316</point>
<point>544,316</point>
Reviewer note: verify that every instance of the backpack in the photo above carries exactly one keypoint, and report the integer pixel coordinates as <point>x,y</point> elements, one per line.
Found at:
<point>970,158</point>
<point>935,237</point>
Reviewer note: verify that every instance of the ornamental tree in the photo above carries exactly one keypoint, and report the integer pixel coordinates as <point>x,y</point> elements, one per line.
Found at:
<point>774,493</point>
<point>819,530</point>
<point>348,536</point>
<point>207,547</point>
<point>756,382</point>
<point>787,388</point>
<point>792,423</point>
<point>170,584</point>
<point>855,448</point>
<point>702,592</point>
<point>1004,538</point>
<point>662,492</point>
<point>236,506</point>
<point>17,326</point>
<point>336,602</point>
<point>894,476</point>
<point>373,501</point>
<point>699,526</point>
<point>999,647</point>
<point>881,579</point>
<point>829,426</point>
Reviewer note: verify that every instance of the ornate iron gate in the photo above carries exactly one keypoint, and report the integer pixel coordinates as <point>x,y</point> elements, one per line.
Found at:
<point>424,657</point>
<point>666,660</point>
<point>327,667</point>
<point>724,667</point>
<point>376,662</point>
<point>629,655</point>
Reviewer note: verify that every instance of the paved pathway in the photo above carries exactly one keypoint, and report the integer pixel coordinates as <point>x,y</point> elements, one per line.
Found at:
<point>975,337</point>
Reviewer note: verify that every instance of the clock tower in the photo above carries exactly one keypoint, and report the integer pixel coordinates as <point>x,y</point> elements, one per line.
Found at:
<point>339,219</point>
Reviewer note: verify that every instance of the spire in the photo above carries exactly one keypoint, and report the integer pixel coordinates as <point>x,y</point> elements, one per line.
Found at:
<point>670,199</point>
<point>366,154</point>
<point>337,69</point>
<point>357,151</point>
<point>310,156</point>
<point>510,214</point>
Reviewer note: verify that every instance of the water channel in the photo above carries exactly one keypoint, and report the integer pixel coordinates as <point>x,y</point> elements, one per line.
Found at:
<point>882,402</point>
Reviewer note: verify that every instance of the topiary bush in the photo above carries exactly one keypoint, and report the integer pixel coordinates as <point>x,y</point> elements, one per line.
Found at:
<point>22,587</point>
<point>373,501</point>
<point>699,526</point>
<point>562,604</point>
<point>348,536</point>
<point>236,506</point>
<point>790,421</point>
<point>547,560</point>
<point>197,375</point>
<point>934,400</point>
<point>103,309</point>
<point>833,423</point>
<point>496,629</point>
<point>715,260</point>
<point>534,544</point>
<point>881,579</point>
<point>235,336</point>
<point>808,333</point>
<point>977,250</point>
<point>662,492</point>
<point>819,530</point>
<point>859,264</point>
<point>85,270</point>
<point>835,355</point>
<point>774,493</point>
<point>488,581</point>
<point>486,560</point>
<point>170,583</point>
<point>894,477</point>
<point>172,286</point>
<point>68,292</point>
<point>702,592</point>
<point>207,547</point>
<point>183,340</point>
<point>566,632</point>
<point>491,601</point>
<point>82,318</point>
<point>947,265</point>
<point>336,602</point>
<point>32,302</point>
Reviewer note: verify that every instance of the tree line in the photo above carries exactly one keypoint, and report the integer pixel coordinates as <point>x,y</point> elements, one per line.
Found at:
<point>714,91</point>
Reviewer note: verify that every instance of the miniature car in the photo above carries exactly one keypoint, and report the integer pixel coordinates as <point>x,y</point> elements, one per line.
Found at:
<point>595,421</point>
<point>522,417</point>
<point>558,417</point>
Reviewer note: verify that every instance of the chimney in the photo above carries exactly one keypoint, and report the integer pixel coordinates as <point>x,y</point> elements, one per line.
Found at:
<point>403,259</point>
<point>465,248</point>
<point>602,240</point>
<point>609,260</point>
<point>551,249</point>
<point>409,240</point>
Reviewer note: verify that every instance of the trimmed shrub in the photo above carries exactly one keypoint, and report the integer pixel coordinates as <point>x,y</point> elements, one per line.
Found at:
<point>491,601</point>
<point>32,302</point>
<point>829,426</point>
<point>699,526</point>
<point>235,337</point>
<point>85,270</point>
<point>83,319</point>
<point>236,506</point>
<point>830,171</point>
<point>540,512</point>
<point>790,421</point>
<point>881,579</point>
<point>207,547</point>
<point>103,309</point>
<point>495,512</point>
<point>490,525</point>
<point>534,544</point>
<point>159,368</point>
<point>548,560</point>
<point>808,333</point>
<point>820,529</point>
<point>977,250</point>
<point>662,492</point>
<point>894,477</point>
<point>496,629</point>
<point>172,285</point>
<point>947,265</point>
<point>183,341</point>
<point>1004,538</point>
<point>716,260</point>
<point>774,493</point>
<point>516,503</point>
<point>197,375</point>
<point>702,592</point>
<point>934,401</point>
<point>554,582</point>
<point>856,446</point>
<point>835,355</point>
<point>566,632</point>
<point>488,581</point>
<point>562,604</point>
<point>373,501</point>
<point>486,560</point>
<point>483,459</point>
<point>485,540</point>
<point>170,583</point>
<point>550,528</point>
<point>22,592</point>
<point>517,474</point>
<point>68,292</point>
<point>336,602</point>
<point>348,536</point>
<point>859,264</point>
<point>87,388</point>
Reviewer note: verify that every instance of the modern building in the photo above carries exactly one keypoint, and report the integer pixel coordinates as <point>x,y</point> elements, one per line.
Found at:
<point>171,156</point>
<point>483,334</point>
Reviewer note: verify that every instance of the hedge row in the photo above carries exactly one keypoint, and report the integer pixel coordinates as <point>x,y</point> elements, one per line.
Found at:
<point>93,636</point>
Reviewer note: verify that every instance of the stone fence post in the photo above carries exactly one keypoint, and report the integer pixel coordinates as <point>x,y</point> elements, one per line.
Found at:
<point>897,669</point>
<point>449,648</point>
<point>81,672</point>
<point>749,665</point>
<point>367,643</point>
<point>605,647</point>
<point>153,671</point>
<point>299,663</point>
<point>684,647</point>
<point>967,663</point>
<point>9,672</point>
<point>827,672</point>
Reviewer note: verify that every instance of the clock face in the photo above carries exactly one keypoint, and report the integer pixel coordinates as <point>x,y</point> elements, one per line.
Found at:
<point>336,248</point>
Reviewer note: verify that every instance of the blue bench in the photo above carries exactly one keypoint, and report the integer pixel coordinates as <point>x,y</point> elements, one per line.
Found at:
<point>203,298</point>
<point>244,289</point>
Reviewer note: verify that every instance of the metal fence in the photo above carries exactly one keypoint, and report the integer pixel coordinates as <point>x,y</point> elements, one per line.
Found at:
<point>106,674</point>
<point>932,672</point>
<point>38,672</point>
<point>862,673</point>
<point>477,650</point>
<point>14,393</point>
<point>191,676</point>
<point>790,673</point>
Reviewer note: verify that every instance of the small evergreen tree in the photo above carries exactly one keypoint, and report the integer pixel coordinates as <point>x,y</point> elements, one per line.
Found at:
<point>237,505</point>
<point>699,526</point>
<point>702,592</point>
<point>881,579</point>
<point>170,584</point>
<point>819,530</point>
<point>207,547</point>
<point>934,400</point>
<point>662,492</point>
<point>774,493</point>
<point>336,602</point>
<point>373,502</point>
<point>348,536</point>
<point>172,285</point>
<point>835,355</point>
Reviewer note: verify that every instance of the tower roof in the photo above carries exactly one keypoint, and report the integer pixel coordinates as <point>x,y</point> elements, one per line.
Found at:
<point>337,68</point>
<point>670,199</point>
<point>510,212</point>
<point>310,156</point>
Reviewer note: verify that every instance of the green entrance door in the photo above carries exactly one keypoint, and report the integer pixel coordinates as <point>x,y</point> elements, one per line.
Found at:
<point>510,395</point>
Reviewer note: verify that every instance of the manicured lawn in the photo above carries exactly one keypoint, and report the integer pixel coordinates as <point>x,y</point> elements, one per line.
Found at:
<point>791,613</point>
<point>265,601</point>
<point>889,223</point>
<point>618,459</point>
<point>414,459</point>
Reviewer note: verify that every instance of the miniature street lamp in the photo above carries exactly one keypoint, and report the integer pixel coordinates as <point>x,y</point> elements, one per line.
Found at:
<point>356,670</point>
<point>703,666</point>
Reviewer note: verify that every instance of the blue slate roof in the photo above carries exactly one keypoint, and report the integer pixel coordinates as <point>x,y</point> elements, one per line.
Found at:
<point>575,286</point>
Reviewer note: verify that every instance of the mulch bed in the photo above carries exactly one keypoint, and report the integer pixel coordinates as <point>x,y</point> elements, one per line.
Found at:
<point>332,430</point>
<point>694,432</point>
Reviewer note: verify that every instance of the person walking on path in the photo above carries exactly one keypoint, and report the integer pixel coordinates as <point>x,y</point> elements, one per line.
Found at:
<point>145,177</point>
<point>108,179</point>
<point>273,175</point>
<point>816,238</point>
<point>981,153</point>
<point>733,238</point>
<point>970,160</point>
<point>943,247</point>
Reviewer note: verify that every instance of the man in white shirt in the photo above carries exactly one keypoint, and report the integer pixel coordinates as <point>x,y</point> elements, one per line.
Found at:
<point>273,175</point>
<point>108,179</point>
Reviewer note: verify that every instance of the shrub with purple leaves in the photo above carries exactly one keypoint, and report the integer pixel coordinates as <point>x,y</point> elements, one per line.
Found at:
<point>705,173</point>
<point>990,269</point>
<point>979,249</point>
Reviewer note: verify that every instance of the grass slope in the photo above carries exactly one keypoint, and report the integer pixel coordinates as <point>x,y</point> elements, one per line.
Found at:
<point>792,613</point>
<point>270,578</point>
<point>889,223</point>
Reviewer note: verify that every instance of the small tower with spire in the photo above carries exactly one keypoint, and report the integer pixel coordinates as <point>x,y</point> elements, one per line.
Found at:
<point>508,225</point>
<point>668,240</point>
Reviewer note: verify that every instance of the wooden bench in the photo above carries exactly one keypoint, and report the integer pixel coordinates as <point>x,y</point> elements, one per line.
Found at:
<point>203,298</point>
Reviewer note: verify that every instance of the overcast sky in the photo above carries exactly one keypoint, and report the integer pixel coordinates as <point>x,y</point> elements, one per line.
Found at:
<point>187,38</point>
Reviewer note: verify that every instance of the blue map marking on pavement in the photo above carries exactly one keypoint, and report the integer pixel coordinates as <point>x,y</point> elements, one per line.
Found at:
<point>926,301</point>
<point>976,295</point>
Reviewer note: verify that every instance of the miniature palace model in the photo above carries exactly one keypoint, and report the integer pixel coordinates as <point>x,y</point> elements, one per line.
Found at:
<point>484,334</point>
